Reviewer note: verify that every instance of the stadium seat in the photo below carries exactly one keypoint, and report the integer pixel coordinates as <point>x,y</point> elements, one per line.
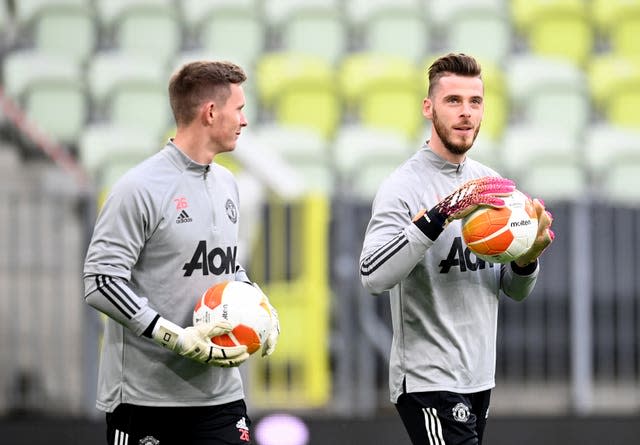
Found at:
<point>549,92</point>
<point>315,27</point>
<point>306,151</point>
<point>496,100</point>
<point>554,181</point>
<point>392,28</point>
<point>383,91</point>
<point>311,103</point>
<point>66,28</point>
<point>606,145</point>
<point>545,162</point>
<point>21,68</point>
<point>59,107</point>
<point>560,28</point>
<point>226,29</point>
<point>150,28</point>
<point>618,22</point>
<point>50,90</point>
<point>621,182</point>
<point>525,146</point>
<point>299,89</point>
<point>101,144</point>
<point>363,156</point>
<point>614,83</point>
<point>461,22</point>
<point>129,89</point>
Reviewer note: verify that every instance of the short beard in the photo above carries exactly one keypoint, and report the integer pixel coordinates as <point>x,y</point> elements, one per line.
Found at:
<point>443,133</point>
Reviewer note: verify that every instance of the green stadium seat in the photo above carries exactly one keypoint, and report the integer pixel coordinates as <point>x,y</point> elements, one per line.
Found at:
<point>304,150</point>
<point>50,90</point>
<point>363,156</point>
<point>606,145</point>
<point>461,23</point>
<point>66,28</point>
<point>150,28</point>
<point>525,146</point>
<point>103,143</point>
<point>549,91</point>
<point>316,28</point>
<point>129,89</point>
<point>226,29</point>
<point>391,28</point>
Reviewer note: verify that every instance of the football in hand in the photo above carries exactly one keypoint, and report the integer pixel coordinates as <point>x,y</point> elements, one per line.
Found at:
<point>500,235</point>
<point>242,305</point>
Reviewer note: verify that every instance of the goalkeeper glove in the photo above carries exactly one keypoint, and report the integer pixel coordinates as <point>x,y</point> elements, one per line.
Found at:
<point>465,199</point>
<point>195,343</point>
<point>544,237</point>
<point>272,338</point>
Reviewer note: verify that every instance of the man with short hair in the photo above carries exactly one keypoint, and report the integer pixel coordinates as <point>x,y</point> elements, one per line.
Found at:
<point>444,314</point>
<point>167,232</point>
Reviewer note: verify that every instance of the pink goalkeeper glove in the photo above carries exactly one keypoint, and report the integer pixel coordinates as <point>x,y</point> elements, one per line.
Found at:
<point>465,199</point>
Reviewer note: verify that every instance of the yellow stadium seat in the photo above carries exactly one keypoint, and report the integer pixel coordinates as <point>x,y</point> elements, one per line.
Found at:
<point>614,82</point>
<point>383,92</point>
<point>275,69</point>
<point>560,28</point>
<point>618,21</point>
<point>496,100</point>
<point>310,103</point>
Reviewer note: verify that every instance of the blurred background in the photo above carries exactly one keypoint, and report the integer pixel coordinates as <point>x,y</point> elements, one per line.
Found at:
<point>334,104</point>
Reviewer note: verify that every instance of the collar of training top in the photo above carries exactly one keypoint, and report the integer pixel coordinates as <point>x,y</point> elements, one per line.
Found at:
<point>441,164</point>
<point>184,162</point>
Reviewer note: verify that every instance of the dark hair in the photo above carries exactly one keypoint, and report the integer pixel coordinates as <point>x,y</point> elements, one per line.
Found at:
<point>458,64</point>
<point>200,81</point>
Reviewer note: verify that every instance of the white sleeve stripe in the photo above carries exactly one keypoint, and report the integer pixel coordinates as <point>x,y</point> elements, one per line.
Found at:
<point>124,304</point>
<point>371,263</point>
<point>433,426</point>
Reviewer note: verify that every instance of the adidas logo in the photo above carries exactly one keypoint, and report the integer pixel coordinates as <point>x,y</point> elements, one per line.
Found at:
<point>183,217</point>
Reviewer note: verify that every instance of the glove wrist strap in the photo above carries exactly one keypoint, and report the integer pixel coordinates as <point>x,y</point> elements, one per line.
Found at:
<point>166,333</point>
<point>432,223</point>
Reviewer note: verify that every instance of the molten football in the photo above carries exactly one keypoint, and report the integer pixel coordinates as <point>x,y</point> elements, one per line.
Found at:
<point>501,235</point>
<point>244,306</point>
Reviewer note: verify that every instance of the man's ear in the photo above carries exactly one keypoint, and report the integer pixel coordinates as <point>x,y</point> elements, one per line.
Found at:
<point>427,108</point>
<point>208,112</point>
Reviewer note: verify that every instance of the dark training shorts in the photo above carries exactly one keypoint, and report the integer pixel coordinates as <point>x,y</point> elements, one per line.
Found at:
<point>226,424</point>
<point>444,418</point>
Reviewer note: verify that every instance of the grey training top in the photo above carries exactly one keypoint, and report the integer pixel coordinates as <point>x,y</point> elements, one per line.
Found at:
<point>444,300</point>
<point>167,232</point>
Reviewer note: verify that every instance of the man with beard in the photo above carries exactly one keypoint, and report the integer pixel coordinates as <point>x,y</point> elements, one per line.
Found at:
<point>444,300</point>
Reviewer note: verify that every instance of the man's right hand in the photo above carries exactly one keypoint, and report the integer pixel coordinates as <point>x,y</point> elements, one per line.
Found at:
<point>195,343</point>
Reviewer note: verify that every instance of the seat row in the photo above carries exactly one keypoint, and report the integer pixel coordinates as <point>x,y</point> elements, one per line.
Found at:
<point>574,30</point>
<point>303,90</point>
